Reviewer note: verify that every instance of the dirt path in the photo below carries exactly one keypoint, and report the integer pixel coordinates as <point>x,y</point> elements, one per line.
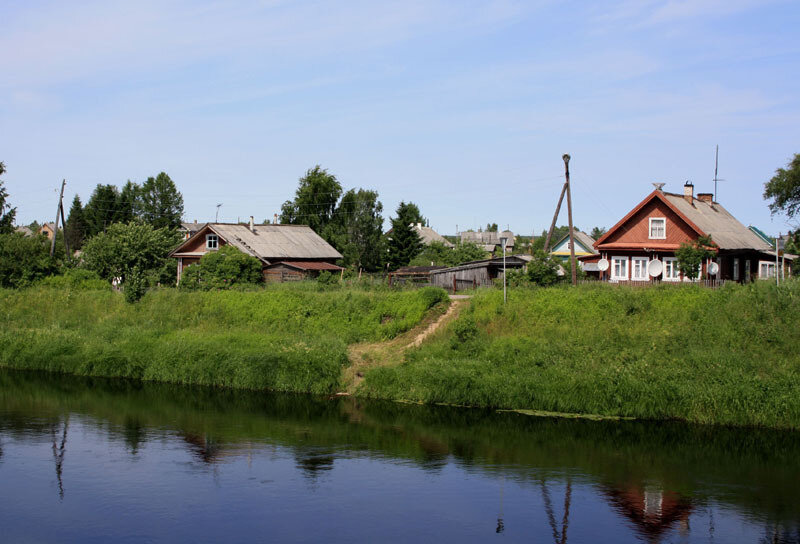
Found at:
<point>366,356</point>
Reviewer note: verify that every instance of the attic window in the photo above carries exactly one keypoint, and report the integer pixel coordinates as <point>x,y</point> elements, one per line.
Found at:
<point>658,228</point>
<point>211,241</point>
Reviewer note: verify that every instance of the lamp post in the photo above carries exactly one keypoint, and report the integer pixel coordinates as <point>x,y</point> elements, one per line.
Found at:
<point>503,241</point>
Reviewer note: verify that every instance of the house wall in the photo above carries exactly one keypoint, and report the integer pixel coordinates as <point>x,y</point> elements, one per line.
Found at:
<point>198,245</point>
<point>480,276</point>
<point>637,229</point>
<point>282,273</point>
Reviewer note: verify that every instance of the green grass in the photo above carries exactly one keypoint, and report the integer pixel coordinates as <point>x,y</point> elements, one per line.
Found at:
<point>727,356</point>
<point>285,338</point>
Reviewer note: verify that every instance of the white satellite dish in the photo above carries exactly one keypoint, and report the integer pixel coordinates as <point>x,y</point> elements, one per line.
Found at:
<point>654,268</point>
<point>713,269</point>
<point>602,265</point>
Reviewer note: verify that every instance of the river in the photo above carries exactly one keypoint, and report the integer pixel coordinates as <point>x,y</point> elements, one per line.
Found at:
<point>91,460</point>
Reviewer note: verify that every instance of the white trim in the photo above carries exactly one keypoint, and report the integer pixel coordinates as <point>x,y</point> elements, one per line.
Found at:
<point>736,273</point>
<point>650,228</point>
<point>212,238</point>
<point>671,272</point>
<point>643,269</point>
<point>623,265</point>
<point>771,268</point>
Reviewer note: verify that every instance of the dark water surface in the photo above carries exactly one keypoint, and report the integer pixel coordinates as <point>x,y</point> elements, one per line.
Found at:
<point>112,461</point>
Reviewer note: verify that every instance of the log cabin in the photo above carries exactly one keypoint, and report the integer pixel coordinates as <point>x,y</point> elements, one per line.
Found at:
<point>287,252</point>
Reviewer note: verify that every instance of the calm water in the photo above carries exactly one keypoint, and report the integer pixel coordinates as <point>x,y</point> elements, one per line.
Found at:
<point>102,461</point>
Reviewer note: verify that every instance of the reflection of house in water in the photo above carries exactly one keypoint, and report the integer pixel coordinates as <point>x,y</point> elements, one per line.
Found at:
<point>204,448</point>
<point>652,510</point>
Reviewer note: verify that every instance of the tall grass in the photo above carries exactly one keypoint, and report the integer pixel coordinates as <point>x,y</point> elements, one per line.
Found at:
<point>280,338</point>
<point>725,356</point>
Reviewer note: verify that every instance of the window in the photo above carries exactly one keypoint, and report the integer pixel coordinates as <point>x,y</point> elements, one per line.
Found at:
<point>211,241</point>
<point>736,269</point>
<point>766,270</point>
<point>671,272</point>
<point>747,270</point>
<point>639,268</point>
<point>658,228</point>
<point>619,268</point>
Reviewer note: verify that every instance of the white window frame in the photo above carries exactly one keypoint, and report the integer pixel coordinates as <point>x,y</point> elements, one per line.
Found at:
<point>771,270</point>
<point>614,275</point>
<point>643,269</point>
<point>671,272</point>
<point>664,231</point>
<point>735,274</point>
<point>212,241</point>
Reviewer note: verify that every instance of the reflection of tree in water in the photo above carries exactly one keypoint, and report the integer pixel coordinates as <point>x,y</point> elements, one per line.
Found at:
<point>314,463</point>
<point>134,434</point>
<point>58,452</point>
<point>652,511</point>
<point>780,534</point>
<point>203,448</point>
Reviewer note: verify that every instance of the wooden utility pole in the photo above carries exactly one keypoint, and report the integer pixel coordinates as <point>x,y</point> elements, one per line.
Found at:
<point>58,214</point>
<point>569,214</point>
<point>64,224</point>
<point>555,218</point>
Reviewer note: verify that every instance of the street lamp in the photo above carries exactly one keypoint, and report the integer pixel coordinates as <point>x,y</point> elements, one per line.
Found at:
<point>503,240</point>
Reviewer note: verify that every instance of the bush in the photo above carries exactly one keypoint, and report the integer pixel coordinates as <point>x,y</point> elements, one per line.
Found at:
<point>25,260</point>
<point>543,269</point>
<point>326,278</point>
<point>76,278</point>
<point>222,269</point>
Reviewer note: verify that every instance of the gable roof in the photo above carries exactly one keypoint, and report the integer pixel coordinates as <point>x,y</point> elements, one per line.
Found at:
<point>269,242</point>
<point>585,241</point>
<point>428,236</point>
<point>705,218</point>
<point>488,237</point>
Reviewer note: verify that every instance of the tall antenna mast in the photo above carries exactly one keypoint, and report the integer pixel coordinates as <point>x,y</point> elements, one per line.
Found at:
<point>716,166</point>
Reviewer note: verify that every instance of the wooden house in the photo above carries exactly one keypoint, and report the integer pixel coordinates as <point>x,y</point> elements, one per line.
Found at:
<point>48,230</point>
<point>489,241</point>
<point>476,273</point>
<point>287,252</point>
<point>584,246</point>
<point>642,245</point>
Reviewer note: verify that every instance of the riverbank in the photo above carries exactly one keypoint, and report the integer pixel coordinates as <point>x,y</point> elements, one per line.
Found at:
<point>284,338</point>
<point>725,356</point>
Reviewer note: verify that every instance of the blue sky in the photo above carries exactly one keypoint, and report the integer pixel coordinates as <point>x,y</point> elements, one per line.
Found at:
<point>463,107</point>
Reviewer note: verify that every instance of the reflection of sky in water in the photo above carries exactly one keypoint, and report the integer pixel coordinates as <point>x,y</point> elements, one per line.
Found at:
<point>125,483</point>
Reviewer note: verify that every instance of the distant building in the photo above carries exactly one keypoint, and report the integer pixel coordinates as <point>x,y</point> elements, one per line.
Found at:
<point>428,236</point>
<point>188,229</point>
<point>287,252</point>
<point>476,273</point>
<point>25,231</point>
<point>584,246</point>
<point>48,230</point>
<point>489,241</point>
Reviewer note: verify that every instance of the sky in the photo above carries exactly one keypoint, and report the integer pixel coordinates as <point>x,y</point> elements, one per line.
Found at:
<point>464,108</point>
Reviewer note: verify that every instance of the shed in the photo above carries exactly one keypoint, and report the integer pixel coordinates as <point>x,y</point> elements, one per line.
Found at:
<point>475,273</point>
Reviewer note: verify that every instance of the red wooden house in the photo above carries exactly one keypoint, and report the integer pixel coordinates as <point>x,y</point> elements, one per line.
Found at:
<point>641,246</point>
<point>287,252</point>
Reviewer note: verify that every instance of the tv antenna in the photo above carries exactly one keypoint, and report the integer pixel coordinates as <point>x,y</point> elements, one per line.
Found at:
<point>216,218</point>
<point>716,179</point>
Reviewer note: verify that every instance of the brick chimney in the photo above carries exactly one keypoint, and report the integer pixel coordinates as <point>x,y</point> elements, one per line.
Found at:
<point>688,191</point>
<point>705,197</point>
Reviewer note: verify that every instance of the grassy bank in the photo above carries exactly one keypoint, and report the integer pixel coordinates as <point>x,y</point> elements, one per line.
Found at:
<point>725,356</point>
<point>286,338</point>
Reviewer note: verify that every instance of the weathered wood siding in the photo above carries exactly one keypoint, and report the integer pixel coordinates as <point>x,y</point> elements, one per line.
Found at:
<point>480,276</point>
<point>636,230</point>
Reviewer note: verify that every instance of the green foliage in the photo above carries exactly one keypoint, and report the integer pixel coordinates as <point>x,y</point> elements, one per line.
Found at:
<point>26,259</point>
<point>326,278</point>
<point>404,241</point>
<point>667,352</point>
<point>784,189</point>
<point>598,232</point>
<point>161,203</point>
<point>287,337</point>
<point>222,269</point>
<point>356,230</point>
<point>75,229</point>
<point>129,204</point>
<point>543,269</point>
<point>128,246</point>
<point>441,255</point>
<point>135,285</point>
<point>77,279</point>
<point>102,209</point>
<point>691,256</point>
<point>491,227</point>
<point>314,202</point>
<point>7,213</point>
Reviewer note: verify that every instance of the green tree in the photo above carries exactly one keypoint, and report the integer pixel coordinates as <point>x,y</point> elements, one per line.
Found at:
<point>784,189</point>
<point>7,213</point>
<point>356,230</point>
<point>691,256</point>
<point>161,202</point>
<point>543,269</point>
<point>404,241</point>
<point>130,251</point>
<point>102,209</point>
<point>130,203</point>
<point>441,255</point>
<point>598,232</point>
<point>315,200</point>
<point>25,259</point>
<point>222,269</point>
<point>491,227</point>
<point>75,229</point>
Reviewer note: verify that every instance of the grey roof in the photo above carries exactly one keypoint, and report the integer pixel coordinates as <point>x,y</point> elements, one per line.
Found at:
<point>428,236</point>
<point>584,239</point>
<point>511,261</point>
<point>24,230</point>
<point>713,219</point>
<point>275,242</point>
<point>488,237</point>
<point>192,227</point>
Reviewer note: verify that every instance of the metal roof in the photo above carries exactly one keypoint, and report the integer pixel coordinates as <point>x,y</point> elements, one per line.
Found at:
<point>510,261</point>
<point>582,238</point>
<point>428,236</point>
<point>488,237</point>
<point>725,230</point>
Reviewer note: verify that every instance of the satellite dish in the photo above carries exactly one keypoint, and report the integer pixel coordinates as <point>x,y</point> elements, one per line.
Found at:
<point>713,269</point>
<point>602,265</point>
<point>655,267</point>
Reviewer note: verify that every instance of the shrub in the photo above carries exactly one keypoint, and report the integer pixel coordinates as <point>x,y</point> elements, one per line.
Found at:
<point>76,278</point>
<point>222,269</point>
<point>25,259</point>
<point>543,269</point>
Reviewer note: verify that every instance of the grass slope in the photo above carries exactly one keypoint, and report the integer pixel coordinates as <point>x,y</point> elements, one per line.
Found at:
<point>286,338</point>
<point>725,356</point>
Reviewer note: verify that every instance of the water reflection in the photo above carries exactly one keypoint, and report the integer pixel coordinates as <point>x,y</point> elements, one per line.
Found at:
<point>662,481</point>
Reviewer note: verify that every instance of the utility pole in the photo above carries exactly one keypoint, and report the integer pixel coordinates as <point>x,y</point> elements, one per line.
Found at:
<point>216,218</point>
<point>555,218</point>
<point>58,214</point>
<point>569,214</point>
<point>716,179</point>
<point>64,223</point>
